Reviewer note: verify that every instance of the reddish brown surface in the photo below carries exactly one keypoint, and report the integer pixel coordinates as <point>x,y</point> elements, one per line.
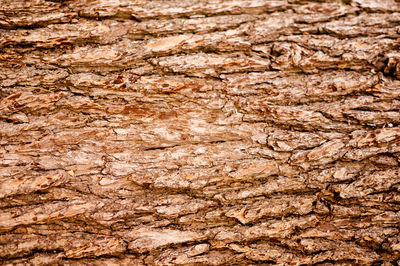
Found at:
<point>199,132</point>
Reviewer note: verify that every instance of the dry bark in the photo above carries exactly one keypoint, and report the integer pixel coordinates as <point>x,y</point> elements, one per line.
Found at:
<point>199,132</point>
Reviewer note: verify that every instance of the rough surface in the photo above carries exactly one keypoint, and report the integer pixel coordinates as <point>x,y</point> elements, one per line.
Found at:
<point>199,132</point>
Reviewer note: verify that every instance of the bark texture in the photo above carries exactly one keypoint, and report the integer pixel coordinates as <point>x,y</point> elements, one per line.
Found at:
<point>199,132</point>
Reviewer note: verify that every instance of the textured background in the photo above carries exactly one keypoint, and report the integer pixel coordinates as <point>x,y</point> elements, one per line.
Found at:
<point>199,132</point>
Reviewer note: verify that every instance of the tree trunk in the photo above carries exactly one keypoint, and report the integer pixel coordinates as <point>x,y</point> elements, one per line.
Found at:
<point>199,132</point>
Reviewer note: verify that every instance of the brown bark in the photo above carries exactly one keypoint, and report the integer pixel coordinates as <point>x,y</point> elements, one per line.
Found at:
<point>199,132</point>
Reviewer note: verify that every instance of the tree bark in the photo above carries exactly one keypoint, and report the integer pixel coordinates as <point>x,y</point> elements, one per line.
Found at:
<point>199,132</point>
